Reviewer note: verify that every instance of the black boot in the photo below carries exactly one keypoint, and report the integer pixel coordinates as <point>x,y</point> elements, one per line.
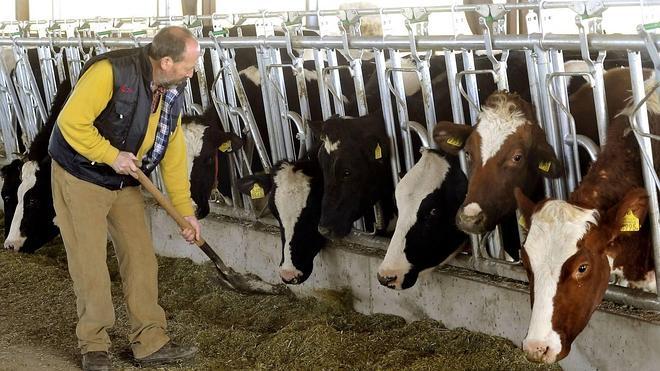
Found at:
<point>96,361</point>
<point>170,352</point>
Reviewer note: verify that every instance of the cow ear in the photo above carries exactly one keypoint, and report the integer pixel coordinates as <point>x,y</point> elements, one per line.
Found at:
<point>526,208</point>
<point>230,142</point>
<point>628,216</point>
<point>451,137</point>
<point>256,186</point>
<point>545,160</point>
<point>316,127</point>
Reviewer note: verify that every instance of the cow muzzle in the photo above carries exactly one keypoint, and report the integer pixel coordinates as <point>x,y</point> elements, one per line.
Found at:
<point>471,219</point>
<point>539,351</point>
<point>14,243</point>
<point>291,276</point>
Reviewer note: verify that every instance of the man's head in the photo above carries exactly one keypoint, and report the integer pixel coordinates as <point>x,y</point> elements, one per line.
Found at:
<point>173,53</point>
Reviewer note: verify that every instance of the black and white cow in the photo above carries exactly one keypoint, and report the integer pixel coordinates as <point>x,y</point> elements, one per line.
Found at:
<point>294,191</point>
<point>354,158</point>
<point>426,235</point>
<point>32,223</point>
<point>205,143</point>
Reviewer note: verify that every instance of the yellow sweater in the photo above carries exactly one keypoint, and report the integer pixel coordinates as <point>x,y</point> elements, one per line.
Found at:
<point>76,121</point>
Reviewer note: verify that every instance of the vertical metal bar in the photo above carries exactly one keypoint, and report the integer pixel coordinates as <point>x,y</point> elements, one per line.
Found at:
<point>277,77</point>
<point>532,74</point>
<point>402,109</point>
<point>358,82</point>
<point>319,64</point>
<point>471,84</point>
<point>638,89</point>
<point>335,81</point>
<point>600,103</point>
<point>544,67</point>
<point>565,151</point>
<point>459,118</point>
<point>423,69</point>
<point>271,110</point>
<point>388,114</point>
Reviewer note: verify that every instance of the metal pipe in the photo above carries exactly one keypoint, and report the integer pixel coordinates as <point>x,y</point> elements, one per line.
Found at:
<point>648,169</point>
<point>388,114</point>
<point>586,143</point>
<point>421,132</point>
<point>437,42</point>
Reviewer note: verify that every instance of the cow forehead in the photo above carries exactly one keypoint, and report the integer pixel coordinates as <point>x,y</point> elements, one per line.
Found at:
<point>496,124</point>
<point>422,179</point>
<point>553,237</point>
<point>330,145</point>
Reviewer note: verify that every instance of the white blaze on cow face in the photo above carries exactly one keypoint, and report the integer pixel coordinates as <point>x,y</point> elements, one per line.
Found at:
<point>553,236</point>
<point>329,145</point>
<point>292,189</point>
<point>28,179</point>
<point>425,177</point>
<point>495,125</point>
<point>194,134</point>
<point>252,74</point>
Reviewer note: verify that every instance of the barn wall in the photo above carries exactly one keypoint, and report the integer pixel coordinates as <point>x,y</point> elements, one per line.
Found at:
<point>457,298</point>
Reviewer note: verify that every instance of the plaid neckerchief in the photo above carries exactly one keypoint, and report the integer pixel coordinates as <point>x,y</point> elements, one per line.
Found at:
<point>156,153</point>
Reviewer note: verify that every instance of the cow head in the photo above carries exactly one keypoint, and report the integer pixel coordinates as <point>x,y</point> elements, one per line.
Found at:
<point>566,259</point>
<point>32,223</point>
<point>506,149</point>
<point>354,156</point>
<point>205,143</point>
<point>294,191</point>
<point>427,198</point>
<point>11,177</point>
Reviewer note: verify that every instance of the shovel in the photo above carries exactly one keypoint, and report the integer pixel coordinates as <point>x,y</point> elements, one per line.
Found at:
<point>230,278</point>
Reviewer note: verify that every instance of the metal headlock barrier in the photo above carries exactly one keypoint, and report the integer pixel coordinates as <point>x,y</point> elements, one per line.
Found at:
<point>62,49</point>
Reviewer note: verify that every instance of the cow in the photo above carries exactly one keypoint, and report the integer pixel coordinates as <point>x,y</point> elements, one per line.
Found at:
<point>427,199</point>
<point>28,183</point>
<point>574,246</point>
<point>206,146</point>
<point>294,191</point>
<point>32,223</point>
<point>508,145</point>
<point>354,158</point>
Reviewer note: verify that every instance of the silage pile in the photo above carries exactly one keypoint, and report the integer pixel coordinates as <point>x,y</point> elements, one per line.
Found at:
<point>236,331</point>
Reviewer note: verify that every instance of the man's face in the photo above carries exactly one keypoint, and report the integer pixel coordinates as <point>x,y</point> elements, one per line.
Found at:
<point>174,73</point>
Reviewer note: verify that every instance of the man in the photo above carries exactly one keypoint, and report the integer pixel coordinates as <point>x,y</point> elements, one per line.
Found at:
<point>125,109</point>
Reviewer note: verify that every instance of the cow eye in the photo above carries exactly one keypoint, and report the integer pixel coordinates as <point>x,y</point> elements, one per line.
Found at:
<point>583,268</point>
<point>434,212</point>
<point>347,173</point>
<point>517,157</point>
<point>468,156</point>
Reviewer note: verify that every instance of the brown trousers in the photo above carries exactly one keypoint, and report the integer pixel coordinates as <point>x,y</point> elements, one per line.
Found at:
<point>85,213</point>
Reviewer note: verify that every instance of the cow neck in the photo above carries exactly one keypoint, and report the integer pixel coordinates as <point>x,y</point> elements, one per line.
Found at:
<point>615,172</point>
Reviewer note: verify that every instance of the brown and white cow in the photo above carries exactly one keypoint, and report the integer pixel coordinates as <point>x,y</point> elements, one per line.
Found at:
<point>508,149</point>
<point>573,247</point>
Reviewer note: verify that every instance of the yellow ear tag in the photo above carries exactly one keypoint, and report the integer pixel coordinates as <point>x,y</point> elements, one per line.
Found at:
<point>521,223</point>
<point>630,222</point>
<point>378,152</point>
<point>456,142</point>
<point>545,166</point>
<point>256,191</point>
<point>225,147</point>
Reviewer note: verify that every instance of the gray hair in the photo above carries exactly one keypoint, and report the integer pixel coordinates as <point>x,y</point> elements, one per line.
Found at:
<point>170,42</point>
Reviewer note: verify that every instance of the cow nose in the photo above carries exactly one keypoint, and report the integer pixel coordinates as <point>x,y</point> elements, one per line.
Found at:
<point>537,351</point>
<point>386,280</point>
<point>470,220</point>
<point>12,245</point>
<point>324,231</point>
<point>291,276</point>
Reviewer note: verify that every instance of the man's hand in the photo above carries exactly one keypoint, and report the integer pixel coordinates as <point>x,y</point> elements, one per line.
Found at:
<point>125,164</point>
<point>194,234</point>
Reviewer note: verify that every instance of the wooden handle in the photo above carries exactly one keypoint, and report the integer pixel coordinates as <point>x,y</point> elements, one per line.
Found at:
<point>166,204</point>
